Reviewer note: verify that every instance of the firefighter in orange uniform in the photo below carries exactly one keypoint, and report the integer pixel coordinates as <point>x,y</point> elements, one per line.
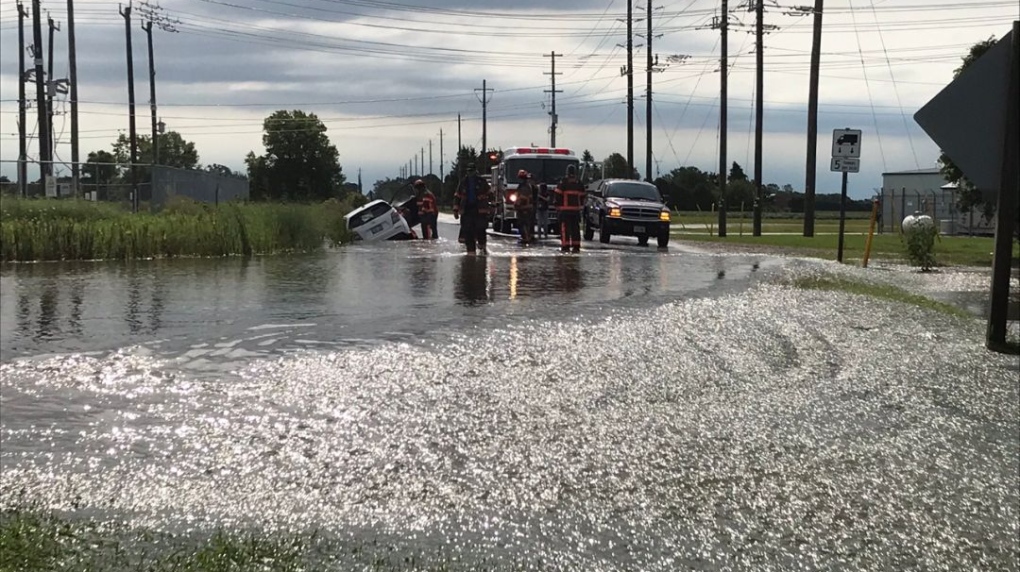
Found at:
<point>428,210</point>
<point>525,208</point>
<point>472,201</point>
<point>570,196</point>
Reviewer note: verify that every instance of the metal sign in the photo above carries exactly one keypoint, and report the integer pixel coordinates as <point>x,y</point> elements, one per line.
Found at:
<point>845,165</point>
<point>846,143</point>
<point>966,118</point>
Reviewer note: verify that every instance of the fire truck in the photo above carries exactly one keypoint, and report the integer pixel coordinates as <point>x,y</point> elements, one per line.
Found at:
<point>547,166</point>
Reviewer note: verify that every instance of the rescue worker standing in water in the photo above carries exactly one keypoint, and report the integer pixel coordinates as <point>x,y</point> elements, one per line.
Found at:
<point>471,201</point>
<point>570,196</point>
<point>428,211</point>
<point>525,208</point>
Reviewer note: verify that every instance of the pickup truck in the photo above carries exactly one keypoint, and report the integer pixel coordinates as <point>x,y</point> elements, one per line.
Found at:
<point>626,207</point>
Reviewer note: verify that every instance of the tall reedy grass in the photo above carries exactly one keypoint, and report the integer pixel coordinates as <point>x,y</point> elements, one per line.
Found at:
<point>36,230</point>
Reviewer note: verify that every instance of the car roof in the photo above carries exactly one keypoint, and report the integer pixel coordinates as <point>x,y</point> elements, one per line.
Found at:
<point>613,181</point>
<point>366,206</point>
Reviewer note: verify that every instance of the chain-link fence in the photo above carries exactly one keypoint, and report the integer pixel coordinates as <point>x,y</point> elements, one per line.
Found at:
<point>203,186</point>
<point>111,182</point>
<point>940,204</point>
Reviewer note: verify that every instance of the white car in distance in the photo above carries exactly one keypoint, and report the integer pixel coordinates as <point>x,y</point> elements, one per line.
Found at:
<point>377,220</point>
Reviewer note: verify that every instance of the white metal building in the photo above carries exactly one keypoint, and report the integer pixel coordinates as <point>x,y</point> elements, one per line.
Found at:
<point>926,191</point>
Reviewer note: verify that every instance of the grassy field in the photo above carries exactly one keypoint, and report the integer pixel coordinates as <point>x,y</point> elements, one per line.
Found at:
<point>42,229</point>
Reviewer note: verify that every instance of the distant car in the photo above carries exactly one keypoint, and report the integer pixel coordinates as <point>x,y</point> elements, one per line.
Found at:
<point>377,220</point>
<point>628,208</point>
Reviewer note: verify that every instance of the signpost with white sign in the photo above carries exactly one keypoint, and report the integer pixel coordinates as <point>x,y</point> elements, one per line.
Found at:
<point>846,153</point>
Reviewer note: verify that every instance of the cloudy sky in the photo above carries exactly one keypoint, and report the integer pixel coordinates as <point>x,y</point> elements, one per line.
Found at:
<point>387,77</point>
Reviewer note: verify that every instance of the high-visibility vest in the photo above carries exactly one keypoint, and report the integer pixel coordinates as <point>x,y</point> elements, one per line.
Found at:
<point>569,196</point>
<point>524,193</point>
<point>427,203</point>
<point>481,191</point>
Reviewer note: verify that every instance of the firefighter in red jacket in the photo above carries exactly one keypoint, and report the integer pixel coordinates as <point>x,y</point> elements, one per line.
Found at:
<point>471,203</point>
<point>428,210</point>
<point>570,196</point>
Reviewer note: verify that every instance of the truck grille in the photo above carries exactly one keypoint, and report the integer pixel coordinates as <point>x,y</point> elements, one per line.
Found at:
<point>641,213</point>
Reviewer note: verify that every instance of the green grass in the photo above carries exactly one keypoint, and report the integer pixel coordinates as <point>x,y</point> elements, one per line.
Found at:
<point>41,229</point>
<point>885,292</point>
<point>949,250</point>
<point>35,540</point>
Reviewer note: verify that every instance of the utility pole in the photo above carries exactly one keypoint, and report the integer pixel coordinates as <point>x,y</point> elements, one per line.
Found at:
<point>459,146</point>
<point>422,171</point>
<point>51,87</point>
<point>723,69</point>
<point>152,15</point>
<point>73,62</point>
<point>553,91</point>
<point>126,13</point>
<point>147,28</point>
<point>430,157</point>
<point>45,164</point>
<point>485,100</point>
<point>630,88</point>
<point>442,173</point>
<point>812,134</point>
<point>648,100</point>
<point>22,106</point>
<point>759,31</point>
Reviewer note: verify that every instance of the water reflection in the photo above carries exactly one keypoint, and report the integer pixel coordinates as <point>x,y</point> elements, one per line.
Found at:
<point>472,285</point>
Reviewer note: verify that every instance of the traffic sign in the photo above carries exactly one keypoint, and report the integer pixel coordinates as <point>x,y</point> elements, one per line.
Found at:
<point>967,118</point>
<point>846,143</point>
<point>845,165</point>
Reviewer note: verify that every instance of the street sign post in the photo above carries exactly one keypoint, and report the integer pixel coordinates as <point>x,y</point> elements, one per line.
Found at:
<point>846,152</point>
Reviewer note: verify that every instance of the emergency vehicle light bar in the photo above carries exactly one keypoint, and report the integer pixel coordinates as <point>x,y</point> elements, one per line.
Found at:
<point>544,150</point>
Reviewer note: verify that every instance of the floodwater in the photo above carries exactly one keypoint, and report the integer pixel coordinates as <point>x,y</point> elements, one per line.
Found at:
<point>625,408</point>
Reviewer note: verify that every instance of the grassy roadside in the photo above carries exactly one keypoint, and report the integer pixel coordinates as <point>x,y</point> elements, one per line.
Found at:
<point>949,250</point>
<point>41,229</point>
<point>881,291</point>
<point>35,540</point>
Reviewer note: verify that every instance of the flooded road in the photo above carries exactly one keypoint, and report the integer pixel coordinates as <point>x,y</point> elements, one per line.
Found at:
<point>625,408</point>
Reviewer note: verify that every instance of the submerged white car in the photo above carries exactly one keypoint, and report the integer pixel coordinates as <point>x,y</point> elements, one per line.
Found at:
<point>377,220</point>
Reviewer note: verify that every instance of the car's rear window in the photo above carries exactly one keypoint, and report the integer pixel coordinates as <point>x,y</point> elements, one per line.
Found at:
<point>371,213</point>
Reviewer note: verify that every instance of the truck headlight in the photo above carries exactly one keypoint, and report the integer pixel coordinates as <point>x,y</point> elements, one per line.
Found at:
<point>513,197</point>
<point>614,212</point>
<point>664,216</point>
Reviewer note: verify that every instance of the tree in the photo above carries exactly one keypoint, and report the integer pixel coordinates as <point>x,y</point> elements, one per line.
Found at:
<point>615,166</point>
<point>174,151</point>
<point>587,157</point>
<point>737,173</point>
<point>968,197</point>
<point>100,168</point>
<point>687,188</point>
<point>223,171</point>
<point>300,164</point>
<point>465,157</point>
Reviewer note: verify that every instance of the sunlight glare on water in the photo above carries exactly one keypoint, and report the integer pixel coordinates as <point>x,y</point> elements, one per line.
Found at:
<point>776,429</point>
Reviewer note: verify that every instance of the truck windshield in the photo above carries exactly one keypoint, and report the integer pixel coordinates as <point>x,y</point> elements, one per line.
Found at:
<point>544,170</point>
<point>633,191</point>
